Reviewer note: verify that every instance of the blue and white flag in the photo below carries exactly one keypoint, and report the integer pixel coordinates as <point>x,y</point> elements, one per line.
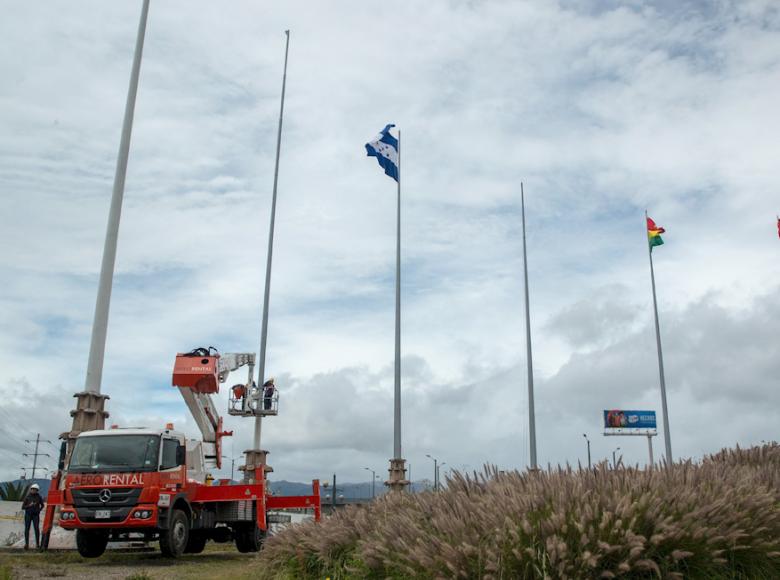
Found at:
<point>385,149</point>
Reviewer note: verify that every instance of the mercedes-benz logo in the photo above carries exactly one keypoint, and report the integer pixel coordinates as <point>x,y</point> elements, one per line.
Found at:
<point>104,495</point>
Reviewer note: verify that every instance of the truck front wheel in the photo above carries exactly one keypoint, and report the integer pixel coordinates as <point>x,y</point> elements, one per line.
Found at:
<point>91,543</point>
<point>173,541</point>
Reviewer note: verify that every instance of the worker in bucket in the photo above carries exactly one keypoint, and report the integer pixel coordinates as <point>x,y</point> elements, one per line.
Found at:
<point>239,395</point>
<point>268,394</point>
<point>32,506</point>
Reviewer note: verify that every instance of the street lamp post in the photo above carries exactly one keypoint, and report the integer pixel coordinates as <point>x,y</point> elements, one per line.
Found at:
<point>373,479</point>
<point>435,472</point>
<point>232,465</point>
<point>588,441</point>
<point>614,461</point>
<point>332,493</point>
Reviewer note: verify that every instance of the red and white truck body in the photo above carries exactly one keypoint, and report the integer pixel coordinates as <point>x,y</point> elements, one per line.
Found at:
<point>149,484</point>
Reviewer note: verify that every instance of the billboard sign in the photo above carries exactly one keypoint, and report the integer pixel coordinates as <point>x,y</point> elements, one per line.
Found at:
<point>621,419</point>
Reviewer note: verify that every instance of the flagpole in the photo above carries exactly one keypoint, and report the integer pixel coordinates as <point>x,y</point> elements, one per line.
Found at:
<point>97,345</point>
<point>267,295</point>
<point>667,436</point>
<point>531,415</point>
<point>397,406</point>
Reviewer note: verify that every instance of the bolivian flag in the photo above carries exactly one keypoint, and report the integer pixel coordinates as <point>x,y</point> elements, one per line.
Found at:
<point>654,234</point>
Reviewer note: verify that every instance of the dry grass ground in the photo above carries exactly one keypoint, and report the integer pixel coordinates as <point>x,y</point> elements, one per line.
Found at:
<point>219,561</point>
<point>716,520</point>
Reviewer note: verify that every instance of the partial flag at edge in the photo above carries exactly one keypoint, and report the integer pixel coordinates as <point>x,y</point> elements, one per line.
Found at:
<point>385,149</point>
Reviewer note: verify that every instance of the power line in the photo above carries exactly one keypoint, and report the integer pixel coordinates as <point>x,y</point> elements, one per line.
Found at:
<point>14,422</point>
<point>35,454</point>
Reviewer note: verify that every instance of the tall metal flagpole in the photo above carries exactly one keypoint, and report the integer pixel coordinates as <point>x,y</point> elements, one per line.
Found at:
<point>667,435</point>
<point>97,345</point>
<point>266,298</point>
<point>531,416</point>
<point>397,473</point>
<point>397,413</point>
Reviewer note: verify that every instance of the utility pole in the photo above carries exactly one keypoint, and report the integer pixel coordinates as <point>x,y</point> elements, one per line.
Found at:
<point>614,461</point>
<point>36,454</point>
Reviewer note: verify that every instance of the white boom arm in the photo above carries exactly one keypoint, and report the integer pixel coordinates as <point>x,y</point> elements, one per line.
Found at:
<point>203,410</point>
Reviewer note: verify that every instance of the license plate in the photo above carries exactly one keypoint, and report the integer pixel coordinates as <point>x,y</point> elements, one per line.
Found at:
<point>102,514</point>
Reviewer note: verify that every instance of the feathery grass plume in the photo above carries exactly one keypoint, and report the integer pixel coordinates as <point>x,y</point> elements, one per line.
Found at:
<point>719,518</point>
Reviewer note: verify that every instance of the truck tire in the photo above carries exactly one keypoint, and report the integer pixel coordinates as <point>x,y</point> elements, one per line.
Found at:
<point>249,538</point>
<point>91,543</point>
<point>174,540</point>
<point>196,543</point>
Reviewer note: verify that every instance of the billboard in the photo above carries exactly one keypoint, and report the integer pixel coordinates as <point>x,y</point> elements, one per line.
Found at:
<point>621,419</point>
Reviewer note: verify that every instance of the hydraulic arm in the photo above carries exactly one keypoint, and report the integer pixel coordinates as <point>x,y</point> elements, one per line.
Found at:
<point>197,374</point>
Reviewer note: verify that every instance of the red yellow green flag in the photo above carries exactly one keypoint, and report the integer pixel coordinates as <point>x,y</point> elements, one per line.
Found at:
<point>654,234</point>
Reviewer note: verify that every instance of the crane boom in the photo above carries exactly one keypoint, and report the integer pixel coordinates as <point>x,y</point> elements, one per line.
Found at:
<point>197,375</point>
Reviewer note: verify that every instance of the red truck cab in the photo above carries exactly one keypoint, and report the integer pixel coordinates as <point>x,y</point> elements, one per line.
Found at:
<point>150,484</point>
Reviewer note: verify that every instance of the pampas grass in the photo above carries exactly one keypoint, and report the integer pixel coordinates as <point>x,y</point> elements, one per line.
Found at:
<point>716,519</point>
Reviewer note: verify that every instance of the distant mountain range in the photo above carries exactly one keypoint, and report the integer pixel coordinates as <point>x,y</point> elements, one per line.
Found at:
<point>347,490</point>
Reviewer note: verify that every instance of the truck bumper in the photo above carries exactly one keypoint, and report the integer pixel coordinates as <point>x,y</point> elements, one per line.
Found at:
<point>139,516</point>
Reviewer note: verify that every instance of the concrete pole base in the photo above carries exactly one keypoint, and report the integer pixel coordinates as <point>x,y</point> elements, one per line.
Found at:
<point>256,459</point>
<point>396,480</point>
<point>89,415</point>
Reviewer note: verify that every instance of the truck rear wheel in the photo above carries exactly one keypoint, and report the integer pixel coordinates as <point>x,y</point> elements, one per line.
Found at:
<point>196,543</point>
<point>174,540</point>
<point>249,538</point>
<point>91,543</point>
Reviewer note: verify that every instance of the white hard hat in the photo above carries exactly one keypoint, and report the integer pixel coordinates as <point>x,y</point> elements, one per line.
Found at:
<point>35,486</point>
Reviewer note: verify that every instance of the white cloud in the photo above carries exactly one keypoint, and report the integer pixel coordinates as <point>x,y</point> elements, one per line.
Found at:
<point>601,110</point>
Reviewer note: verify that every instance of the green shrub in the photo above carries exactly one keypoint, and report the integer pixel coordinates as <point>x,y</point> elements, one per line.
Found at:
<point>716,519</point>
<point>11,492</point>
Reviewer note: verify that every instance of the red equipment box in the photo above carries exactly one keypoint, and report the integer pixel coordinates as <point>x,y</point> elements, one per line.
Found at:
<point>197,372</point>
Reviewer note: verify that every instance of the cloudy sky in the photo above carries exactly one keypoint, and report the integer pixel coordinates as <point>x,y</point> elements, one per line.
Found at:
<point>602,110</point>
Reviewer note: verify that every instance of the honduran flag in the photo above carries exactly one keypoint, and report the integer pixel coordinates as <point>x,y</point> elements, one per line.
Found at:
<point>385,149</point>
<point>654,234</point>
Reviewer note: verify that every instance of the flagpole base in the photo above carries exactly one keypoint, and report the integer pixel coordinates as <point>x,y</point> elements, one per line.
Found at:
<point>256,465</point>
<point>396,480</point>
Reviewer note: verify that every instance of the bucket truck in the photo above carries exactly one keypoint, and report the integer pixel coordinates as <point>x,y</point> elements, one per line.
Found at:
<point>155,484</point>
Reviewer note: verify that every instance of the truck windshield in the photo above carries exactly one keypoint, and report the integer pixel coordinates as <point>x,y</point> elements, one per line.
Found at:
<point>115,453</point>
